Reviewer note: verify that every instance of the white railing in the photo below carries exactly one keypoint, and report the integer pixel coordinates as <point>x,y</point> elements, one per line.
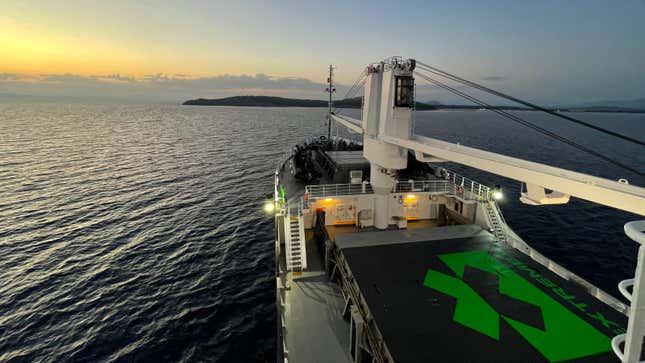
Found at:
<point>468,188</point>
<point>330,190</point>
<point>433,186</point>
<point>633,339</point>
<point>454,184</point>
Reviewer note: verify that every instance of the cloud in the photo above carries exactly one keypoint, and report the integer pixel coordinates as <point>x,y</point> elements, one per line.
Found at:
<point>494,78</point>
<point>13,77</point>
<point>160,86</point>
<point>115,77</point>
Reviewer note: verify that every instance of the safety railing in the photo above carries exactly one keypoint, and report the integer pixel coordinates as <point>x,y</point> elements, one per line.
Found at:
<point>330,190</point>
<point>432,186</point>
<point>628,346</point>
<point>454,185</point>
<point>284,158</point>
<point>467,188</point>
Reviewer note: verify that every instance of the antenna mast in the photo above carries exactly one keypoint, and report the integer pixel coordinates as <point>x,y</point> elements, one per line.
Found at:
<point>330,89</point>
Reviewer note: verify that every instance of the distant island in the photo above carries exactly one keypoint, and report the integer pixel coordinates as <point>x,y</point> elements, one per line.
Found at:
<point>269,101</point>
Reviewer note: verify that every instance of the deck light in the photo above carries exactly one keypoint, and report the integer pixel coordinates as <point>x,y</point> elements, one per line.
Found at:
<point>329,199</point>
<point>497,193</point>
<point>269,207</point>
<point>410,197</point>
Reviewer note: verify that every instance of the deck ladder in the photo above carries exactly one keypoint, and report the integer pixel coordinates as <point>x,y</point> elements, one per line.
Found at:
<point>633,339</point>
<point>496,221</point>
<point>295,241</point>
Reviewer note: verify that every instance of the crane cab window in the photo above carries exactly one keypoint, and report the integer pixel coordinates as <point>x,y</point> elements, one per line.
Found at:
<point>404,91</point>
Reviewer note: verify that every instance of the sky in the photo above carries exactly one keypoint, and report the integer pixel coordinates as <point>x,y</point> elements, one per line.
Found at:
<point>552,52</point>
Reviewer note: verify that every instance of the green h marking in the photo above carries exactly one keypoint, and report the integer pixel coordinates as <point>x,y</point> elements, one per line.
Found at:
<point>566,336</point>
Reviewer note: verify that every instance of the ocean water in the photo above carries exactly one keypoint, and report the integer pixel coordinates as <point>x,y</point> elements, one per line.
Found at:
<point>135,232</point>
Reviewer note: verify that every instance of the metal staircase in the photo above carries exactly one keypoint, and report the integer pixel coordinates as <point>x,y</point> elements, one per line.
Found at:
<point>295,242</point>
<point>496,221</point>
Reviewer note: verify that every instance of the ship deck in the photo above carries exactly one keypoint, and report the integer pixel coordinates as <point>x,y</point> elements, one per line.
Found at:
<point>454,294</point>
<point>440,294</point>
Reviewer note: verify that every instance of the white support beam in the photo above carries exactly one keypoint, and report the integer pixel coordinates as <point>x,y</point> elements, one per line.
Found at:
<point>626,197</point>
<point>351,123</point>
<point>427,158</point>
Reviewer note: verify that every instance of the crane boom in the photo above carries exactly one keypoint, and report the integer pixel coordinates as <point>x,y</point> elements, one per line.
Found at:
<point>603,191</point>
<point>351,123</point>
<point>627,197</point>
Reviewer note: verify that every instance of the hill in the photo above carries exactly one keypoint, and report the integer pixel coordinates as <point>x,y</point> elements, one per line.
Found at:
<point>268,101</point>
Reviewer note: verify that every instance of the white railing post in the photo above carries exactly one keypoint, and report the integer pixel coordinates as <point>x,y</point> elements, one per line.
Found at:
<point>636,324</point>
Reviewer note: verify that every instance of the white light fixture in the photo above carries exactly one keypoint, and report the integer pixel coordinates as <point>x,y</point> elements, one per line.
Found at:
<point>269,207</point>
<point>497,195</point>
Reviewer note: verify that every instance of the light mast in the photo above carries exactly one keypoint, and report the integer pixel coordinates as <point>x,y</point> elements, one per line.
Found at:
<point>330,89</point>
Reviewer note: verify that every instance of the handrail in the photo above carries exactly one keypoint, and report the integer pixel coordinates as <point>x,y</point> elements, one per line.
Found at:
<point>622,287</point>
<point>633,338</point>
<point>450,185</point>
<point>328,190</point>
<point>474,190</point>
<point>423,186</point>
<point>499,213</point>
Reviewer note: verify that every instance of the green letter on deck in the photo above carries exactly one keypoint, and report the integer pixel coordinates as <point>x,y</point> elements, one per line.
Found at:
<point>565,336</point>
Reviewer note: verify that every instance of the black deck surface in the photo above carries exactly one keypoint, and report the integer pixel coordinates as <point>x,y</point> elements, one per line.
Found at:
<point>468,299</point>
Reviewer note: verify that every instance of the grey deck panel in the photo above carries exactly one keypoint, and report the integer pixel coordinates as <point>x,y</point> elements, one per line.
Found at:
<point>316,331</point>
<point>394,236</point>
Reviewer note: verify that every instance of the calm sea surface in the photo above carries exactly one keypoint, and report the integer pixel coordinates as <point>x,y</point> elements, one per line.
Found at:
<point>135,233</point>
